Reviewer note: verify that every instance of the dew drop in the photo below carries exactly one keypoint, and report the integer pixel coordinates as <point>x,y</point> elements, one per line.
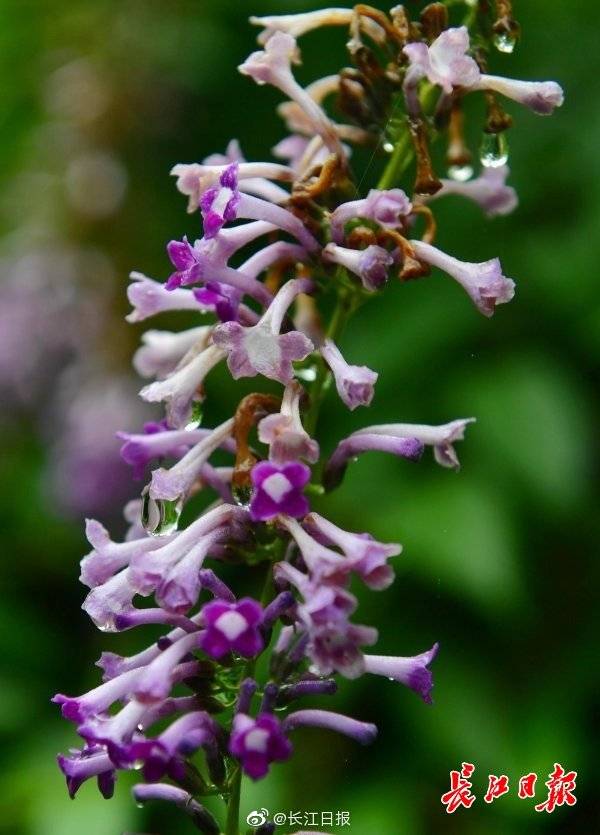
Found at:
<point>140,805</point>
<point>460,173</point>
<point>108,626</point>
<point>160,517</point>
<point>388,147</point>
<point>242,494</point>
<point>195,417</point>
<point>494,150</point>
<point>307,374</point>
<point>505,42</point>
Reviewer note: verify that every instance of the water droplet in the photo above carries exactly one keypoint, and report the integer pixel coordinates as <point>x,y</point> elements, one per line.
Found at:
<point>140,805</point>
<point>242,494</point>
<point>159,516</point>
<point>307,374</point>
<point>108,626</point>
<point>138,765</point>
<point>195,417</point>
<point>460,173</point>
<point>505,42</point>
<point>494,150</point>
<point>388,147</point>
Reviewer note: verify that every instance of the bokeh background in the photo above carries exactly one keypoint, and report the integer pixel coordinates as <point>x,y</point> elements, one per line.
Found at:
<point>97,101</point>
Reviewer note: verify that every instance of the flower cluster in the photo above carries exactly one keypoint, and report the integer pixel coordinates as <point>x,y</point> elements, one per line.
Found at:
<point>195,691</point>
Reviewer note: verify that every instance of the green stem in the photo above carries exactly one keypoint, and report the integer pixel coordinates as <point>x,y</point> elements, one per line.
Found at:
<point>403,149</point>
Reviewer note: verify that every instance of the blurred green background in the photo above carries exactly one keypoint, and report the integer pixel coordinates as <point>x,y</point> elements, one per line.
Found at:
<point>97,101</point>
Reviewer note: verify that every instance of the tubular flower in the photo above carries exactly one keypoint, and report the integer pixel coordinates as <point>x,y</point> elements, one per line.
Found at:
<point>288,251</point>
<point>484,282</point>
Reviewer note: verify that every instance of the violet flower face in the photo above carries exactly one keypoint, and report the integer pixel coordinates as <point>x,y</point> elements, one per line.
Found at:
<point>284,432</point>
<point>278,490</point>
<point>445,62</point>
<point>355,384</point>
<point>258,742</point>
<point>185,261</point>
<point>219,204</point>
<point>232,627</point>
<point>262,348</point>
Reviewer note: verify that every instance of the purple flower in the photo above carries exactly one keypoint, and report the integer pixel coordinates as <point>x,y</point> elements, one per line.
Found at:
<point>165,754</point>
<point>540,96</point>
<point>108,557</point>
<point>219,203</point>
<point>483,282</point>
<point>232,627</point>
<point>371,265</point>
<point>387,208</point>
<point>333,642</point>
<point>147,570</point>
<point>162,351</point>
<point>180,389</point>
<point>363,732</point>
<point>303,22</point>
<point>201,817</point>
<point>412,672</point>
<point>206,261</point>
<point>91,761</point>
<point>149,297</point>
<point>173,483</point>
<point>367,556</point>
<point>273,66</point>
<point>355,384</point>
<point>278,490</point>
<point>405,447</point>
<point>258,742</point>
<point>185,261</point>
<point>441,438</point>
<point>489,191</point>
<point>224,202</point>
<point>138,450</point>
<point>180,586</point>
<point>253,177</point>
<point>445,62</point>
<point>262,348</point>
<point>284,433</point>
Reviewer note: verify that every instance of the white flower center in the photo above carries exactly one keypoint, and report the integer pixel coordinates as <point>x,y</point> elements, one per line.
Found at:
<point>256,740</point>
<point>262,347</point>
<point>277,486</point>
<point>231,624</point>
